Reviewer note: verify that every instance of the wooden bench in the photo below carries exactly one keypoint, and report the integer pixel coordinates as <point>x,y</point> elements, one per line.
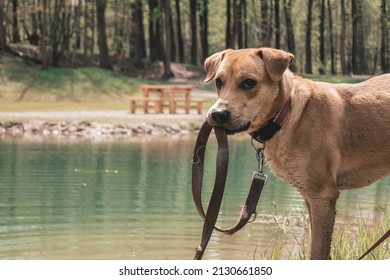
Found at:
<point>159,97</point>
<point>146,103</point>
<point>187,105</point>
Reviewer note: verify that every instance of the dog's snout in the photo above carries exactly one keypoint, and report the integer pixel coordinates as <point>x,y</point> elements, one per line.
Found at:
<point>220,116</point>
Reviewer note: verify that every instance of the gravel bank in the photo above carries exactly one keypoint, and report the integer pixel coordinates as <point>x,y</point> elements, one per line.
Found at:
<point>96,124</point>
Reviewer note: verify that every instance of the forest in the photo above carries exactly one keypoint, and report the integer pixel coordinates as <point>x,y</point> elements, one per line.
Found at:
<point>326,36</point>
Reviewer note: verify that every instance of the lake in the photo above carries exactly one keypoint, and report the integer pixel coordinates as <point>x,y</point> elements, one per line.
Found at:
<point>132,200</point>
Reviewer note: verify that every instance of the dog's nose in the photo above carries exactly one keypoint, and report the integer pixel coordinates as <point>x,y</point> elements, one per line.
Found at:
<point>220,116</point>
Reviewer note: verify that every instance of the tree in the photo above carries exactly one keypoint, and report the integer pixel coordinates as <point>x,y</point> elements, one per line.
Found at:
<point>137,38</point>
<point>290,38</point>
<point>332,48</point>
<point>193,25</point>
<point>235,24</point>
<point>204,26</point>
<point>2,27</point>
<point>56,30</point>
<point>173,47</point>
<point>244,21</point>
<point>102,36</point>
<point>277,25</point>
<point>359,63</point>
<point>265,24</point>
<point>153,27</point>
<point>342,46</point>
<point>76,28</point>
<point>322,65</point>
<point>308,64</point>
<point>15,25</point>
<point>180,40</point>
<point>385,37</point>
<point>42,46</point>
<point>228,33</point>
<point>167,57</point>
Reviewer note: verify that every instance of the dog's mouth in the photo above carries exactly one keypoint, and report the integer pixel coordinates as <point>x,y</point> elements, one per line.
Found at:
<point>230,131</point>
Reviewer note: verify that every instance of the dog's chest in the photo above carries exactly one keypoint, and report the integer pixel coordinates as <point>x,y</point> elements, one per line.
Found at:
<point>279,162</point>
<point>285,167</point>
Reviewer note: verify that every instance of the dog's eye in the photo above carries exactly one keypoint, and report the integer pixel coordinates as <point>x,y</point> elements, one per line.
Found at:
<point>248,84</point>
<point>218,83</point>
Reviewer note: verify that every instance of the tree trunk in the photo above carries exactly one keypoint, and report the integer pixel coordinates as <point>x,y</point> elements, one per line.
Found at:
<point>42,46</point>
<point>102,36</point>
<point>194,32</point>
<point>385,37</point>
<point>137,38</point>
<point>167,58</point>
<point>240,25</point>
<point>2,27</point>
<point>235,24</point>
<point>56,30</point>
<point>342,47</point>
<point>34,20</point>
<point>77,31</point>
<point>86,21</point>
<point>65,27</point>
<point>359,64</point>
<point>308,64</point>
<point>228,34</point>
<point>245,18</point>
<point>153,43</point>
<point>332,49</point>
<point>290,38</point>
<point>92,27</point>
<point>322,66</point>
<point>204,26</point>
<point>180,41</point>
<point>159,30</point>
<point>172,32</point>
<point>15,25</point>
<point>265,24</point>
<point>277,25</point>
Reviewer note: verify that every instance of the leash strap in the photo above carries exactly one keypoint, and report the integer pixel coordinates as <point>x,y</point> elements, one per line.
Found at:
<point>383,238</point>
<point>210,218</point>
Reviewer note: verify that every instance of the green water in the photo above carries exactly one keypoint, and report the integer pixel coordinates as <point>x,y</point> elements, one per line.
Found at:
<point>132,200</point>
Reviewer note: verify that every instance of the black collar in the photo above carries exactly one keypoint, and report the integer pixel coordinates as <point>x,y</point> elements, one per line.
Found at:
<point>274,125</point>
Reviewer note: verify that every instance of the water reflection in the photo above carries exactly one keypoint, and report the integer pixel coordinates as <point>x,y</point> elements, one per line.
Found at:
<point>132,200</point>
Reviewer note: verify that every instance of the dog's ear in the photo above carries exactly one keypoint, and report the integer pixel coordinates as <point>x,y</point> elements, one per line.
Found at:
<point>211,64</point>
<point>275,62</point>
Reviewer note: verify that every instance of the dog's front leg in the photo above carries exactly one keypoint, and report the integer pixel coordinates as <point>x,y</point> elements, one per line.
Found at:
<point>322,212</point>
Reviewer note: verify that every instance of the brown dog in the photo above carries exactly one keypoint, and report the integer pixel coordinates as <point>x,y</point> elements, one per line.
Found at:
<point>332,137</point>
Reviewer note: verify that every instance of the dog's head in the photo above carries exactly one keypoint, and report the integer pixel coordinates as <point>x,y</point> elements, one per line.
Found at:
<point>252,85</point>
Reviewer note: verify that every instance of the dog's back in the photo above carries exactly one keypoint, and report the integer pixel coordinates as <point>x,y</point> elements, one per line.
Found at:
<point>357,117</point>
<point>366,132</point>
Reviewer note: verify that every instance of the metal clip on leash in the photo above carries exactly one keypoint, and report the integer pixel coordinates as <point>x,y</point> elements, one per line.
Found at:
<point>259,174</point>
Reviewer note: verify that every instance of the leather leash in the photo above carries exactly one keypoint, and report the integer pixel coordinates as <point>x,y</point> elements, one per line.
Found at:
<point>383,238</point>
<point>210,218</point>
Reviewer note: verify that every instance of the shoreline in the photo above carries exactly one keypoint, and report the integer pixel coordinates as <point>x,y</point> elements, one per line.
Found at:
<point>104,129</point>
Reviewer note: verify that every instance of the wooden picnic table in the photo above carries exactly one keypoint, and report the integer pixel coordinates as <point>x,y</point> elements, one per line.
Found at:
<point>171,96</point>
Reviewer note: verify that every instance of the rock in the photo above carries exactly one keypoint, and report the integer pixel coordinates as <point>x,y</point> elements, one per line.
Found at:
<point>91,129</point>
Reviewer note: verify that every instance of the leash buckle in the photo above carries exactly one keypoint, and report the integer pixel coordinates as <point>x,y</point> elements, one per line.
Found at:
<point>260,176</point>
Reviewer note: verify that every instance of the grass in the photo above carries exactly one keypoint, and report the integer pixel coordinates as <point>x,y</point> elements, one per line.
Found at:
<point>350,245</point>
<point>27,88</point>
<point>349,242</point>
<point>88,85</point>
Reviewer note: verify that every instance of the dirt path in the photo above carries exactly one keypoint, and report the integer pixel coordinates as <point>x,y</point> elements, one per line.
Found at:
<point>101,116</point>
